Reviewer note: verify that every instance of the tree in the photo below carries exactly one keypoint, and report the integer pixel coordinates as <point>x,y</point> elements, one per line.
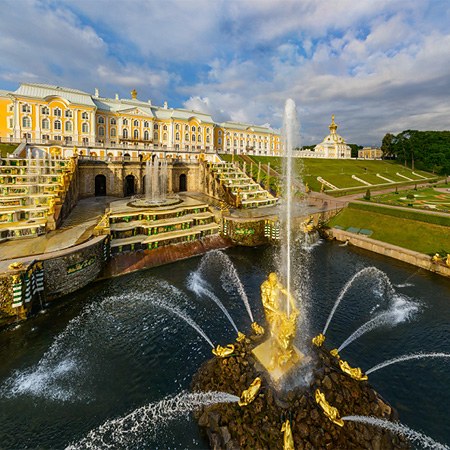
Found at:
<point>367,196</point>
<point>386,146</point>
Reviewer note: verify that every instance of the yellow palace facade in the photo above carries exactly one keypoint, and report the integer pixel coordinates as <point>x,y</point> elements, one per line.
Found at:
<point>58,119</point>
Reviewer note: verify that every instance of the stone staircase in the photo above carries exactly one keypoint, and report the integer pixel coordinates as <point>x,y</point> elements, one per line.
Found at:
<point>33,193</point>
<point>243,191</point>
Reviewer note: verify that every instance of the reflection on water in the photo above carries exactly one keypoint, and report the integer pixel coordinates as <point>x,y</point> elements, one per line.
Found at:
<point>108,351</point>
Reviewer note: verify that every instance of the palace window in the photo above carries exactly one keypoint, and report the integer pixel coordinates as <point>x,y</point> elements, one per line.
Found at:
<point>101,131</point>
<point>193,129</point>
<point>207,139</point>
<point>11,108</point>
<point>57,112</point>
<point>186,137</point>
<point>208,130</point>
<point>145,124</point>
<point>46,137</point>
<point>113,121</point>
<point>68,126</point>
<point>113,132</point>
<point>57,137</point>
<point>177,126</point>
<point>85,116</point>
<point>68,113</point>
<point>85,128</point>
<point>177,136</point>
<point>242,143</point>
<point>165,136</point>
<point>101,119</point>
<point>199,138</point>
<point>193,138</point>
<point>45,124</point>
<point>199,129</point>
<point>45,110</point>
<point>219,141</point>
<point>136,123</point>
<point>220,132</point>
<point>124,122</point>
<point>26,108</point>
<point>136,134</point>
<point>57,125</point>
<point>234,142</point>
<point>26,122</point>
<point>165,127</point>
<point>186,127</point>
<point>155,135</point>
<point>155,126</point>
<point>125,134</point>
<point>146,135</point>
<point>228,142</point>
<point>10,122</point>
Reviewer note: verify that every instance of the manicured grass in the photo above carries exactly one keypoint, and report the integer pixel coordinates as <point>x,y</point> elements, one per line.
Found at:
<point>411,234</point>
<point>339,172</point>
<point>7,148</point>
<point>427,198</point>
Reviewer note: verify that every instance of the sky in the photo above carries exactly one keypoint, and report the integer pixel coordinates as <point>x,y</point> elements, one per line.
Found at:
<point>379,65</point>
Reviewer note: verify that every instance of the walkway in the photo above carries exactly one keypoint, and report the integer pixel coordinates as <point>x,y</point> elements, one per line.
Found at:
<point>77,228</point>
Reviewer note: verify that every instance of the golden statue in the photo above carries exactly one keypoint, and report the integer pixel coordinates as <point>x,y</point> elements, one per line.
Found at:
<point>308,225</point>
<point>330,411</point>
<point>240,337</point>
<point>335,353</point>
<point>447,261</point>
<point>318,340</point>
<point>437,258</point>
<point>355,372</point>
<point>51,206</point>
<point>250,393</point>
<point>288,440</point>
<point>134,94</point>
<point>223,352</point>
<point>258,329</point>
<point>16,265</point>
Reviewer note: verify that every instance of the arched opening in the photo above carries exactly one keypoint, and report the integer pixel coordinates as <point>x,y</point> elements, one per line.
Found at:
<point>129,186</point>
<point>183,182</point>
<point>100,185</point>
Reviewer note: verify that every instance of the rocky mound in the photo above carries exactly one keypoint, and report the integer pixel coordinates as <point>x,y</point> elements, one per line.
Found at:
<point>258,425</point>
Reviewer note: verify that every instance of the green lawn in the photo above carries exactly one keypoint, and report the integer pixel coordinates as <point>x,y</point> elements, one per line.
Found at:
<point>427,198</point>
<point>339,172</point>
<point>7,148</point>
<point>411,234</point>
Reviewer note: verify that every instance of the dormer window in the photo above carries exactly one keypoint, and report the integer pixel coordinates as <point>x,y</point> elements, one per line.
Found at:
<point>45,110</point>
<point>68,113</point>
<point>26,108</point>
<point>57,112</point>
<point>101,120</point>
<point>85,116</point>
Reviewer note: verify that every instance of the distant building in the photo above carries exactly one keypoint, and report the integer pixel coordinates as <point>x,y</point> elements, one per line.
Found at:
<point>332,147</point>
<point>370,153</point>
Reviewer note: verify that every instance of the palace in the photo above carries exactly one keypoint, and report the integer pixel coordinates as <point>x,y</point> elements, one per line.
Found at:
<point>58,118</point>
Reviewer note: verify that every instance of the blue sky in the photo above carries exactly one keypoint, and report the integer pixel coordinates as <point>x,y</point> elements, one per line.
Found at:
<point>379,66</point>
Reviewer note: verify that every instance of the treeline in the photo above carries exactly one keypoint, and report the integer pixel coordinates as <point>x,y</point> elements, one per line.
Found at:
<point>424,150</point>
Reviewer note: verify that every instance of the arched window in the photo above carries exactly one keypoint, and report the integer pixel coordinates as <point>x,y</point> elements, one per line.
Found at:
<point>207,139</point>
<point>165,127</point>
<point>186,137</point>
<point>220,132</point>
<point>26,108</point>
<point>146,135</point>
<point>57,112</point>
<point>145,124</point>
<point>125,133</point>
<point>193,138</point>
<point>199,129</point>
<point>228,142</point>
<point>45,110</point>
<point>177,136</point>
<point>136,123</point>
<point>177,126</point>
<point>101,131</point>
<point>45,124</point>
<point>165,137</point>
<point>68,113</point>
<point>208,130</point>
<point>219,141</point>
<point>124,121</point>
<point>57,125</point>
<point>186,127</point>
<point>155,135</point>
<point>113,121</point>
<point>193,129</point>
<point>85,116</point>
<point>85,128</point>
<point>234,142</point>
<point>199,138</point>
<point>101,119</point>
<point>68,126</point>
<point>26,122</point>
<point>136,134</point>
<point>113,132</point>
<point>155,126</point>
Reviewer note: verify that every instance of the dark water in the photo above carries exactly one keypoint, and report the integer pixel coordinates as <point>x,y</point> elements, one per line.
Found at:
<point>107,351</point>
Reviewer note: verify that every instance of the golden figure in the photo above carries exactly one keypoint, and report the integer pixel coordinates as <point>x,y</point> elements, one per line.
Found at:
<point>330,411</point>
<point>51,206</point>
<point>250,393</point>
<point>134,94</point>
<point>16,265</point>
<point>223,352</point>
<point>307,226</point>
<point>335,353</point>
<point>281,325</point>
<point>447,261</point>
<point>355,372</point>
<point>258,329</point>
<point>240,337</point>
<point>318,340</point>
<point>437,258</point>
<point>288,440</point>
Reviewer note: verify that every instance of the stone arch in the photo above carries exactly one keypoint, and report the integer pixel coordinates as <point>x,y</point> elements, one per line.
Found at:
<point>183,183</point>
<point>129,185</point>
<point>100,185</point>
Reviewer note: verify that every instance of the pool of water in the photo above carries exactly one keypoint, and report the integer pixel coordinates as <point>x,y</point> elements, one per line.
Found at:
<point>107,350</point>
